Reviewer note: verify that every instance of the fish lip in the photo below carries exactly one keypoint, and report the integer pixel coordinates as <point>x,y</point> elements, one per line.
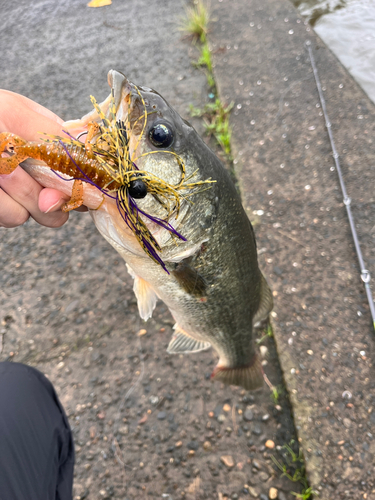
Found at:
<point>117,80</point>
<point>121,88</point>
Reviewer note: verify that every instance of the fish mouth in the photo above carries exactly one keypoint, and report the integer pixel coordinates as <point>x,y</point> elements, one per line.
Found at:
<point>130,107</point>
<point>121,90</point>
<point>155,218</point>
<point>117,81</point>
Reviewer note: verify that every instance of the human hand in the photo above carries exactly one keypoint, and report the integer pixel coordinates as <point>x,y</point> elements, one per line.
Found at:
<point>20,195</point>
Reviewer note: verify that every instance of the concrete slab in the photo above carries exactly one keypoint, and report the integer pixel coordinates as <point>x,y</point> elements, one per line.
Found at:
<point>284,164</point>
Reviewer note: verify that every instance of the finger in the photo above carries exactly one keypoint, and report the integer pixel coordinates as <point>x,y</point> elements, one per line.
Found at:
<point>51,200</point>
<point>12,213</point>
<point>25,102</point>
<point>30,120</point>
<point>26,118</point>
<point>25,191</point>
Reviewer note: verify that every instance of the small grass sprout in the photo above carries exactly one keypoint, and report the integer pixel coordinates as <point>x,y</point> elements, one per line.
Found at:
<point>214,114</point>
<point>294,469</point>
<point>205,58</point>
<point>268,332</point>
<point>216,122</point>
<point>196,21</point>
<point>276,392</point>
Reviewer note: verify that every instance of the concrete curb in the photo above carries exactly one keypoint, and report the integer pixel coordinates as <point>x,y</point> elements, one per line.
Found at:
<point>284,165</point>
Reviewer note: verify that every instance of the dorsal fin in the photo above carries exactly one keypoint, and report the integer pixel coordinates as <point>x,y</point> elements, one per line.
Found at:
<point>182,343</point>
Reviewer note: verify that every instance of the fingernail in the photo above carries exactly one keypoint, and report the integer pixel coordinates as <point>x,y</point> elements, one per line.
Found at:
<point>55,205</point>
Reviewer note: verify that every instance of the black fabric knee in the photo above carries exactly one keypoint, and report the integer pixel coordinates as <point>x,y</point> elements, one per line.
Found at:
<point>36,444</point>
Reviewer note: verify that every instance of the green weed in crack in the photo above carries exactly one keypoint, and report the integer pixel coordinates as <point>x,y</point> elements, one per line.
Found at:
<point>215,114</point>
<point>267,332</point>
<point>195,22</point>
<point>216,122</point>
<point>293,467</point>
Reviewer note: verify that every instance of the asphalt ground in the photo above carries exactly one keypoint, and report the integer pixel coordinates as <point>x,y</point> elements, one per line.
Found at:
<point>145,423</point>
<point>62,303</point>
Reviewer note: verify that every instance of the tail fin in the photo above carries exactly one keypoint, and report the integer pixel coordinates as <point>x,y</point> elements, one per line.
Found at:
<point>249,377</point>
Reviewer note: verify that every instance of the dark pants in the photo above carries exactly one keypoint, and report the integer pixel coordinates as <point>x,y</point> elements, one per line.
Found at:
<point>36,444</point>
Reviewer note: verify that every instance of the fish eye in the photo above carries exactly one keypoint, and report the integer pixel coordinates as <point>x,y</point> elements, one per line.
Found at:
<point>161,135</point>
<point>137,189</point>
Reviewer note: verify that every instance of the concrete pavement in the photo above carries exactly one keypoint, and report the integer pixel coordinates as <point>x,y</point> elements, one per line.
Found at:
<point>284,164</point>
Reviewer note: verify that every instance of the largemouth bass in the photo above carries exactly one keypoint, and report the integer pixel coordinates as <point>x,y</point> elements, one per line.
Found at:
<point>202,262</point>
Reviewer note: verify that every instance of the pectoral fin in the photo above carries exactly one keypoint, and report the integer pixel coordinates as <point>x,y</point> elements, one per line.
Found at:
<point>146,297</point>
<point>266,303</point>
<point>182,343</point>
<point>190,280</point>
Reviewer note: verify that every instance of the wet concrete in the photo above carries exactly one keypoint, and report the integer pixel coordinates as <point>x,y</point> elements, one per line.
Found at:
<point>284,163</point>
